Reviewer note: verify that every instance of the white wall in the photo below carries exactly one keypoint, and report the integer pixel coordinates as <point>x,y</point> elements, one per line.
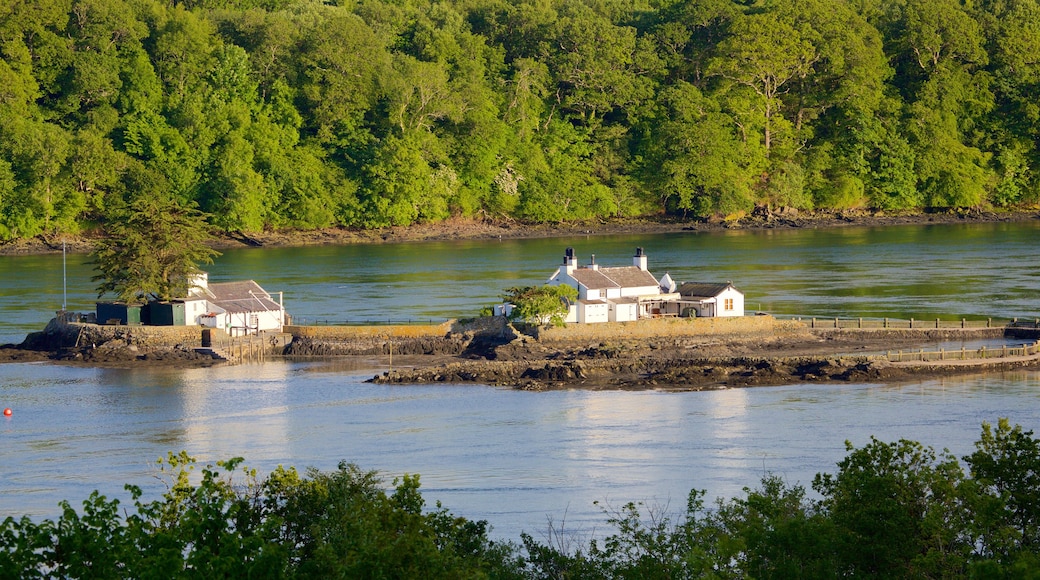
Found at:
<point>589,313</point>
<point>193,310</point>
<point>738,303</point>
<point>624,312</point>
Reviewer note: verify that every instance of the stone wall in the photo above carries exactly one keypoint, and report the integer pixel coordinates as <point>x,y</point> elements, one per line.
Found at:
<point>727,327</point>
<point>142,336</point>
<point>58,334</point>
<point>361,332</point>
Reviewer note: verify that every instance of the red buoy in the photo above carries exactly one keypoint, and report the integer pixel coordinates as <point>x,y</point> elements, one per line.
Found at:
<point>7,412</point>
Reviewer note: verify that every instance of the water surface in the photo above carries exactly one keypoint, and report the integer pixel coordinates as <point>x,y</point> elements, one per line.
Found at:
<point>517,458</point>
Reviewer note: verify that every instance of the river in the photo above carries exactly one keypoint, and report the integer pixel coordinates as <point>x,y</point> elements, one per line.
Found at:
<point>517,459</point>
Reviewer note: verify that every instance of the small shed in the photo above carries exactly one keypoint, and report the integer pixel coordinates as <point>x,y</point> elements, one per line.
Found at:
<point>166,313</point>
<point>118,313</point>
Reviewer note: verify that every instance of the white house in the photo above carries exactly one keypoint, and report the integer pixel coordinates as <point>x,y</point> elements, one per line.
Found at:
<point>711,299</point>
<point>237,307</point>
<point>623,294</point>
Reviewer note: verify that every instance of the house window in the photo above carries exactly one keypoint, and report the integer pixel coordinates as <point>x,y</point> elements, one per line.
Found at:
<point>728,304</point>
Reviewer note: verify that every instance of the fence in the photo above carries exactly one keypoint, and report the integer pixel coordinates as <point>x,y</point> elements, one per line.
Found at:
<point>964,354</point>
<point>248,348</point>
<point>913,324</point>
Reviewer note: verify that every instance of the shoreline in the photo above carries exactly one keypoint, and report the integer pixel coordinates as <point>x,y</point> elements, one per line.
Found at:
<point>469,229</point>
<point>660,354</point>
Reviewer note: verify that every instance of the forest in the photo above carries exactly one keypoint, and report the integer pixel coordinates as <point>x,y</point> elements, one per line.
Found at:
<point>305,114</point>
<point>891,510</point>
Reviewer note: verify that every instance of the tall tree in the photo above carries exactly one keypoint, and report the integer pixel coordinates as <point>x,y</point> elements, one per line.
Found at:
<point>152,250</point>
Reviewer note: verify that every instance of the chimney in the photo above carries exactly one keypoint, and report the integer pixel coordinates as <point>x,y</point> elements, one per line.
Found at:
<point>592,264</point>
<point>198,282</point>
<point>639,261</point>
<point>569,262</point>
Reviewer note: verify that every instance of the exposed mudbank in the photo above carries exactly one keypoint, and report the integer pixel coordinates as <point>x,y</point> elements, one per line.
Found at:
<point>455,229</point>
<point>786,354</point>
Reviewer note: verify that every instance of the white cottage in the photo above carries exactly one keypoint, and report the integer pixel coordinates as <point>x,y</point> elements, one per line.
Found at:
<point>237,307</point>
<point>711,299</point>
<point>615,294</point>
<point>624,294</point>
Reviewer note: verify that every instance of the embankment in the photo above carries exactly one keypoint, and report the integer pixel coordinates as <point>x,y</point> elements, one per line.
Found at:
<point>698,354</point>
<point>453,338</point>
<point>105,345</point>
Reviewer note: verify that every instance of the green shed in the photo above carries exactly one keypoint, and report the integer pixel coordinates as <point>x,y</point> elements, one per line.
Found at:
<point>166,313</point>
<point>118,313</point>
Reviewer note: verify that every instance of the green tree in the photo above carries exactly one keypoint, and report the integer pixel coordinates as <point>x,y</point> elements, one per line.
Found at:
<point>765,53</point>
<point>151,250</point>
<point>896,511</point>
<point>692,156</point>
<point>541,304</point>
<point>1005,472</point>
<point>774,532</point>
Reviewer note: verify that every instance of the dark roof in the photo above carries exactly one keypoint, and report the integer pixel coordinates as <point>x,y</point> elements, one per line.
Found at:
<point>707,290</point>
<point>629,276</point>
<point>245,296</point>
<point>593,279</point>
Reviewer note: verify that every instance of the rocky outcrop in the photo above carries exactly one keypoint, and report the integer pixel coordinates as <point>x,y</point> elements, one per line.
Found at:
<point>103,345</point>
<point>665,372</point>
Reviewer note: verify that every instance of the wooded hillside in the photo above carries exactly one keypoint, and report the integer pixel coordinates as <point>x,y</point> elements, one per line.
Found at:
<point>303,114</point>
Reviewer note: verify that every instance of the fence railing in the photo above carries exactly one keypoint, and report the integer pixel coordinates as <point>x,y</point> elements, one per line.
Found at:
<point>911,323</point>
<point>964,353</point>
<point>246,348</point>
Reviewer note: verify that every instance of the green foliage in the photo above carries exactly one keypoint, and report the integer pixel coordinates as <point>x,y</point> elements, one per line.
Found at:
<point>541,304</point>
<point>892,510</point>
<point>293,114</point>
<point>896,510</point>
<point>338,524</point>
<point>152,251</point>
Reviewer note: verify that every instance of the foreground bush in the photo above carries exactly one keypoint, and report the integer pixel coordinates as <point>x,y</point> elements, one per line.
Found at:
<point>892,510</point>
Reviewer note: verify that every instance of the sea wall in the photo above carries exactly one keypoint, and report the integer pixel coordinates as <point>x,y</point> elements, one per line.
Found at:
<point>59,335</point>
<point>368,332</point>
<point>728,327</point>
<point>450,338</point>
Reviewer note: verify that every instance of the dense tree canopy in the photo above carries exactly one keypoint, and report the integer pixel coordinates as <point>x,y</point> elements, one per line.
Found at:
<point>308,114</point>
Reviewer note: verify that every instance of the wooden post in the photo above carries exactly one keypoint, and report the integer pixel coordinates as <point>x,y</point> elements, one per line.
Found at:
<point>942,354</point>
<point>886,322</point>
<point>836,324</point>
<point>861,322</point>
<point>813,324</point>
<point>989,322</point>
<point>962,323</point>
<point>911,323</point>
<point>937,323</point>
